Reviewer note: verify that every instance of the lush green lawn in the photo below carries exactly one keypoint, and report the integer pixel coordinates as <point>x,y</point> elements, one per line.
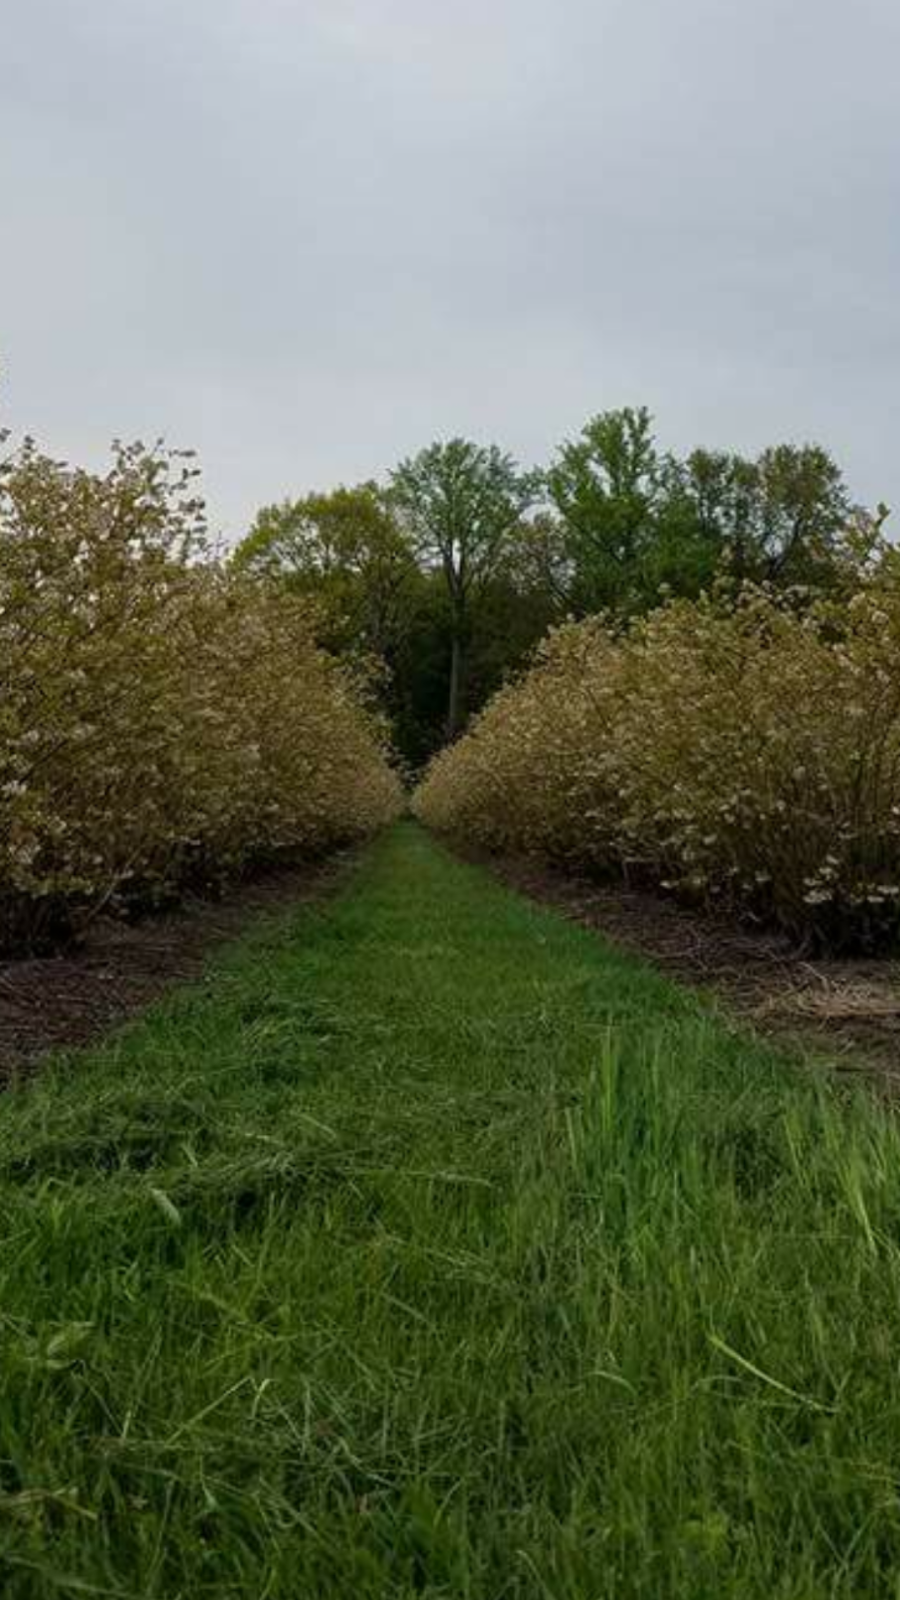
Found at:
<point>431,1249</point>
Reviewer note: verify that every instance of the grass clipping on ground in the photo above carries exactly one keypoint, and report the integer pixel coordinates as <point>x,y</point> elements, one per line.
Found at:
<point>432,1248</point>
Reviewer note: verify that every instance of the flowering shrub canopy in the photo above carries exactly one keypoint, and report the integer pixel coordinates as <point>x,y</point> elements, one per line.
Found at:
<point>745,755</point>
<point>160,718</point>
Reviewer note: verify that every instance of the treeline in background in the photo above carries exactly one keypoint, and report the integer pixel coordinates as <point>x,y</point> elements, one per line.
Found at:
<point>451,570</point>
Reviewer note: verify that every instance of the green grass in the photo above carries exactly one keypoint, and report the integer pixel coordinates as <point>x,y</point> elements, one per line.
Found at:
<point>431,1248</point>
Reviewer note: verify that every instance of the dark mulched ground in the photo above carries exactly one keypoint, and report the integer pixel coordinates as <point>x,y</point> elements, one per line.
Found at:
<point>847,1008</point>
<point>118,968</point>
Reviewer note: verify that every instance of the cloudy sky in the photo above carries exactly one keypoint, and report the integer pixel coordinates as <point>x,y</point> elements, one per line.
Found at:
<point>308,236</point>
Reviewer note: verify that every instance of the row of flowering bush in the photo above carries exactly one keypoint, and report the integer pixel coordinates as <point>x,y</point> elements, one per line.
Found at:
<point>744,755</point>
<point>162,719</point>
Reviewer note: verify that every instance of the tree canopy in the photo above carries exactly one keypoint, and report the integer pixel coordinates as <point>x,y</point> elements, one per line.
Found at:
<point>452,569</point>
<point>463,504</point>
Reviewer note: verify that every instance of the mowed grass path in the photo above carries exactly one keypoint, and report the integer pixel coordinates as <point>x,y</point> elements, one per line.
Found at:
<point>430,1248</point>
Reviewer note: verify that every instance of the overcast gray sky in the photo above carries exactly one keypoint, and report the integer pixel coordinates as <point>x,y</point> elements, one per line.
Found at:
<point>308,236</point>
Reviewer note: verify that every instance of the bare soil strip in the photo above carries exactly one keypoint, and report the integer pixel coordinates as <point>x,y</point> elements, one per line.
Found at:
<point>118,968</point>
<point>849,1008</point>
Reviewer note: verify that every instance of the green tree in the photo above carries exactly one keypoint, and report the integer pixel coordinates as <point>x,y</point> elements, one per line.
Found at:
<point>348,548</point>
<point>704,513</point>
<point>631,521</point>
<point>604,487</point>
<point>462,504</point>
<point>803,510</point>
<point>780,519</point>
<point>543,564</point>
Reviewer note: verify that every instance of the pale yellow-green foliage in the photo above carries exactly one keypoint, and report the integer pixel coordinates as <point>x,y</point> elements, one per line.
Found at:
<point>160,717</point>
<point>747,755</point>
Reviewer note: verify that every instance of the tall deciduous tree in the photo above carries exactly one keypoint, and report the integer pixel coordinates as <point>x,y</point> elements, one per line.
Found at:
<point>462,503</point>
<point>803,509</point>
<point>778,519</point>
<point>604,486</point>
<point>631,520</point>
<point>348,548</point>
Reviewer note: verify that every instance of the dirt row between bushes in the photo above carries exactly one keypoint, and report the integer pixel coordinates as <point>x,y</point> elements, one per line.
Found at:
<point>118,968</point>
<point>849,1009</point>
